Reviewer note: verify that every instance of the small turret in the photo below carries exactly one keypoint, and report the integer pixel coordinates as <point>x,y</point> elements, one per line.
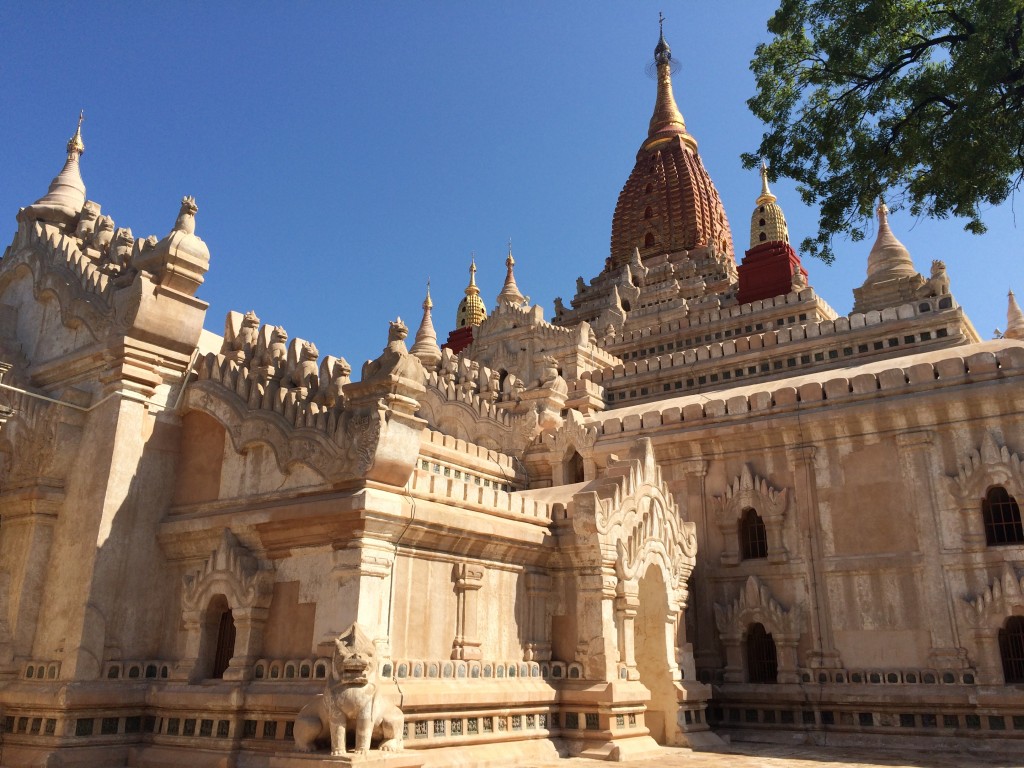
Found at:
<point>891,279</point>
<point>889,257</point>
<point>767,223</point>
<point>470,314</point>
<point>770,267</point>
<point>426,348</point>
<point>510,294</point>
<point>65,198</point>
<point>471,309</point>
<point>1014,319</point>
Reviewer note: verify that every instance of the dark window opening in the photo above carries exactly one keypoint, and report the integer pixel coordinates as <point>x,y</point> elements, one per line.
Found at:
<point>1011,648</point>
<point>762,237</point>
<point>649,240</point>
<point>753,537</point>
<point>649,212</point>
<point>1002,518</point>
<point>762,662</point>
<point>573,468</point>
<point>225,647</point>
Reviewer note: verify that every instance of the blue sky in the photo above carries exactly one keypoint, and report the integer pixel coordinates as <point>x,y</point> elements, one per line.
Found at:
<point>342,153</point>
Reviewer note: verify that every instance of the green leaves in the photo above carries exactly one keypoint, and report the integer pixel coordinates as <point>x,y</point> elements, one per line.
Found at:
<point>921,100</point>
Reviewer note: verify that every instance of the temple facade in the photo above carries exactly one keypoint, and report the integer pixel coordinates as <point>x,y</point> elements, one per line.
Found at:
<point>694,502</point>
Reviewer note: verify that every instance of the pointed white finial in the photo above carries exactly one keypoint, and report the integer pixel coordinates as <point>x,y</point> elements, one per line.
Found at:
<point>425,347</point>
<point>510,294</point>
<point>1014,319</point>
<point>889,258</point>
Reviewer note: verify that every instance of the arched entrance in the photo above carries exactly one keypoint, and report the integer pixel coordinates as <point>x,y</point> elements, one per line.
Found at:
<point>653,655</point>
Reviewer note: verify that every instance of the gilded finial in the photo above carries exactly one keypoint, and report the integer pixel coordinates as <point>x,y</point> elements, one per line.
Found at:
<point>766,194</point>
<point>427,303</point>
<point>667,121</point>
<point>472,274</point>
<point>510,261</point>
<point>75,143</point>
<point>662,53</point>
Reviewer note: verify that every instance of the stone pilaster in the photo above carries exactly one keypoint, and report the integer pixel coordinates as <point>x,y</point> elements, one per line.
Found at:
<point>823,654</point>
<point>701,629</point>
<point>28,523</point>
<point>627,603</point>
<point>936,601</point>
<point>365,569</point>
<point>469,577</point>
<point>538,591</point>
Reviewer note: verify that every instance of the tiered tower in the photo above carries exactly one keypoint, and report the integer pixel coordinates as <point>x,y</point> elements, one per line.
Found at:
<point>771,266</point>
<point>470,314</point>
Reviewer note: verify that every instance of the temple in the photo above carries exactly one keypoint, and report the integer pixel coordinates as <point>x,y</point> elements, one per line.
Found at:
<point>694,502</point>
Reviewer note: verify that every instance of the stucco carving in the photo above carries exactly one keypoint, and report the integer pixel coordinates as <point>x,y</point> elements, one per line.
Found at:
<point>625,523</point>
<point>755,604</point>
<point>1003,597</point>
<point>260,389</point>
<point>748,491</point>
<point>989,465</point>
<point>981,469</point>
<point>230,570</point>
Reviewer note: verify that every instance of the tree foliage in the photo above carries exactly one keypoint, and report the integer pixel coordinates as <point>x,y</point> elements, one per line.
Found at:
<point>919,100</point>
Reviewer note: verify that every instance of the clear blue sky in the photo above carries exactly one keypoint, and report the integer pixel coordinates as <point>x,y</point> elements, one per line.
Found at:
<point>341,153</point>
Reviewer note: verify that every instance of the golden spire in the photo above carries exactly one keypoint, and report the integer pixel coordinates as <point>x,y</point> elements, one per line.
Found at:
<point>766,194</point>
<point>75,143</point>
<point>471,309</point>
<point>510,293</point>
<point>667,120</point>
<point>767,223</point>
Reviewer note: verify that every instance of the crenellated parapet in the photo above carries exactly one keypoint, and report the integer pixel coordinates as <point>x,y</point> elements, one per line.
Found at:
<point>263,386</point>
<point>997,360</point>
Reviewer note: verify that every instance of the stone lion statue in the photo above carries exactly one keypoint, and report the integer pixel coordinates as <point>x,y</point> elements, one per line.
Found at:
<point>351,699</point>
<point>938,283</point>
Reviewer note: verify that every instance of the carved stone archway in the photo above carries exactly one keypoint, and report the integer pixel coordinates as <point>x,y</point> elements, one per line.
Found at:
<point>986,613</point>
<point>233,572</point>
<point>755,605</point>
<point>981,469</point>
<point>573,437</point>
<point>748,491</point>
<point>627,526</point>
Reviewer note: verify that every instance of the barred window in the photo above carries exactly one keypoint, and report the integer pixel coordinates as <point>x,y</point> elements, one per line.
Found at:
<point>1011,648</point>
<point>762,662</point>
<point>753,538</point>
<point>1002,518</point>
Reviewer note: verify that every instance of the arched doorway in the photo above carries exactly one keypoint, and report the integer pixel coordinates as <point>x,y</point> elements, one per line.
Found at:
<point>652,652</point>
<point>219,637</point>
